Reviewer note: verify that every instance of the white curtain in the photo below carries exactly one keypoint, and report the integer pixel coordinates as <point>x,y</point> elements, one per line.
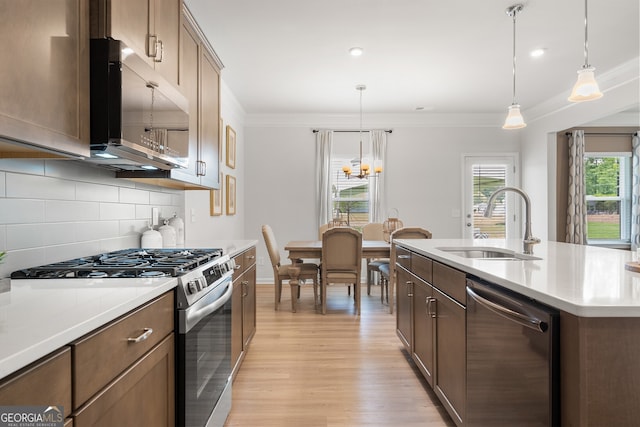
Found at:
<point>377,185</point>
<point>635,195</point>
<point>324,141</point>
<point>576,231</point>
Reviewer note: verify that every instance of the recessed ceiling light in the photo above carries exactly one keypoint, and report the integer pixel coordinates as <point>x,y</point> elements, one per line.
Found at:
<point>356,51</point>
<point>535,53</point>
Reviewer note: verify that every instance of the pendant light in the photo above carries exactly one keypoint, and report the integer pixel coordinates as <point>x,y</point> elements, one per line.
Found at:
<point>586,88</point>
<point>364,169</point>
<point>514,119</point>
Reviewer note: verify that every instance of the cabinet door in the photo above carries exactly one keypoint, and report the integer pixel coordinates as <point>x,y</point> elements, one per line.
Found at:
<point>142,396</point>
<point>423,328</point>
<point>450,368</point>
<point>166,20</point>
<point>403,310</point>
<point>209,121</point>
<point>248,306</point>
<point>45,382</point>
<point>44,64</point>
<point>189,83</point>
<point>236,326</point>
<point>129,22</point>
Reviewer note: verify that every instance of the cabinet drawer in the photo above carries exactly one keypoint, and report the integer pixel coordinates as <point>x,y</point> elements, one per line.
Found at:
<point>142,396</point>
<point>243,261</point>
<point>403,257</point>
<point>45,382</point>
<point>450,281</point>
<point>104,354</point>
<point>422,267</point>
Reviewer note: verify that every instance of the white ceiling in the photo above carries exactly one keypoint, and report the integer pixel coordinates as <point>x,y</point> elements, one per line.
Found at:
<point>291,56</point>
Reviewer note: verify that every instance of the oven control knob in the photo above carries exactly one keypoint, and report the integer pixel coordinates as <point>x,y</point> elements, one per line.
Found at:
<point>192,288</point>
<point>202,282</point>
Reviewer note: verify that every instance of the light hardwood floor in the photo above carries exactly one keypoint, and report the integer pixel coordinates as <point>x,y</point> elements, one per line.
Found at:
<point>305,370</point>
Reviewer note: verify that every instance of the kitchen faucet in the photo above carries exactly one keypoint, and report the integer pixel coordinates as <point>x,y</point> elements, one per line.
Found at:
<point>528,240</point>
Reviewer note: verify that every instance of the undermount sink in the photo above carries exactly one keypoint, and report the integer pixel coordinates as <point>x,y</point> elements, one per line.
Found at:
<point>488,253</point>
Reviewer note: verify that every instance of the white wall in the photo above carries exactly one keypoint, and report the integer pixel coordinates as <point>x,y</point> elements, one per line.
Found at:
<point>56,210</point>
<point>424,176</point>
<point>621,93</point>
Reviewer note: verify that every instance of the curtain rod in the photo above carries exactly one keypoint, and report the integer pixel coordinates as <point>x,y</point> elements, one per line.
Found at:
<point>604,134</point>
<point>354,130</point>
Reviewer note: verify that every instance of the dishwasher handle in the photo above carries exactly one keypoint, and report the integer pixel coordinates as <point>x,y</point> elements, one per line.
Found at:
<point>520,318</point>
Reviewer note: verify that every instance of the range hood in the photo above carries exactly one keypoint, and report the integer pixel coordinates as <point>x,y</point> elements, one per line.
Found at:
<point>139,121</point>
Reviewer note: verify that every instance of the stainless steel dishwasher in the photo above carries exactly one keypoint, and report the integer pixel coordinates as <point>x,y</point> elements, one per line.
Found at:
<point>512,359</point>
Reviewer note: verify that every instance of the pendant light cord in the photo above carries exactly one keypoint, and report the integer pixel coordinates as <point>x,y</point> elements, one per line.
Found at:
<point>586,38</point>
<point>513,102</point>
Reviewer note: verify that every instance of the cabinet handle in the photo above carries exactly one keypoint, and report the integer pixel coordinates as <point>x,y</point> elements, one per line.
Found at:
<point>238,267</point>
<point>433,313</point>
<point>146,333</point>
<point>159,48</point>
<point>409,288</point>
<point>404,256</point>
<point>245,285</point>
<point>152,46</point>
<point>251,257</point>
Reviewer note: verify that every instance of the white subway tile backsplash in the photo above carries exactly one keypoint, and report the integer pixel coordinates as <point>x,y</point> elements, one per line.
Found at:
<point>157,198</point>
<point>38,187</point>
<point>143,212</point>
<point>21,211</point>
<point>28,166</point>
<point>96,192</point>
<point>117,211</point>
<point>52,211</point>
<point>129,195</point>
<point>25,236</point>
<point>59,211</point>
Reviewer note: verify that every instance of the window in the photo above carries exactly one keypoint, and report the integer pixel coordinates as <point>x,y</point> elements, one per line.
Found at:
<point>483,176</point>
<point>350,197</point>
<point>608,196</point>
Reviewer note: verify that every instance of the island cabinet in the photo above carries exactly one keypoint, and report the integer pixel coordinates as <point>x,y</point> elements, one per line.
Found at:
<point>46,382</point>
<point>124,373</point>
<point>431,323</point>
<point>44,64</point>
<point>243,310</point>
<point>150,27</point>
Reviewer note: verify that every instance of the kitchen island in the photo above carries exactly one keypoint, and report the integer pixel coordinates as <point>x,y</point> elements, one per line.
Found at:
<point>599,305</point>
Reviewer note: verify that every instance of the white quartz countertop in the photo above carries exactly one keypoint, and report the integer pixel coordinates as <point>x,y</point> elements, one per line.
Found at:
<point>40,316</point>
<point>586,281</point>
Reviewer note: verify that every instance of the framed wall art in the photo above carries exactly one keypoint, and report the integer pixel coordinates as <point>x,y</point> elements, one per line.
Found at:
<point>231,195</point>
<point>215,199</point>
<point>231,147</point>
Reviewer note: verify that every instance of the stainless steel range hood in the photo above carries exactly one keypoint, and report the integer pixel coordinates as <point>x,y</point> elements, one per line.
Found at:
<point>139,121</point>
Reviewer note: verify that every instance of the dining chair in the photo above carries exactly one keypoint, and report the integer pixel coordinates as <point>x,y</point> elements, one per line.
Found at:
<point>322,229</point>
<point>373,231</point>
<point>341,262</point>
<point>281,272</point>
<point>388,272</point>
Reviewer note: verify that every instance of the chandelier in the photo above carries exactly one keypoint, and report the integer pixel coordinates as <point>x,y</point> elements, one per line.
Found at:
<point>364,168</point>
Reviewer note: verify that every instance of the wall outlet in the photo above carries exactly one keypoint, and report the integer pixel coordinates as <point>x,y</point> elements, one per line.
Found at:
<point>260,260</point>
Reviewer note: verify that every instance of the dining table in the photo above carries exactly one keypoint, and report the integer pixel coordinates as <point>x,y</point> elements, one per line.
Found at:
<point>312,249</point>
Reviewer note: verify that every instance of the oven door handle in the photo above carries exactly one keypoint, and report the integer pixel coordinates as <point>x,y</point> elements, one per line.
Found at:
<point>204,307</point>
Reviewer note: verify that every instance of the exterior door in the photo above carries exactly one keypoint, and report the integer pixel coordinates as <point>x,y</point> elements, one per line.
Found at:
<point>482,176</point>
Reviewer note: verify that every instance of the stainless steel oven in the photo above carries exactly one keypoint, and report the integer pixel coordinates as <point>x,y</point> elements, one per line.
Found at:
<point>204,353</point>
<point>203,304</point>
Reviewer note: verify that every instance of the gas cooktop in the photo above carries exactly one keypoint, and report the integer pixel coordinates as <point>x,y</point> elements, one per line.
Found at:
<point>124,264</point>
